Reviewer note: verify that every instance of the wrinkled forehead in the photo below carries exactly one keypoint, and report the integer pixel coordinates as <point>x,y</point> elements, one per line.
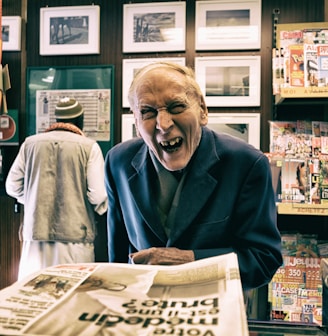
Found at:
<point>161,81</point>
<point>157,75</point>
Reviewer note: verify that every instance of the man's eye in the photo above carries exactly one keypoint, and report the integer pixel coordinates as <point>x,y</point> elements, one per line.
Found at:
<point>176,109</point>
<point>148,113</point>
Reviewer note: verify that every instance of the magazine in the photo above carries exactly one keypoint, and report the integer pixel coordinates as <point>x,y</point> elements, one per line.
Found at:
<point>310,64</point>
<point>322,51</point>
<point>199,298</point>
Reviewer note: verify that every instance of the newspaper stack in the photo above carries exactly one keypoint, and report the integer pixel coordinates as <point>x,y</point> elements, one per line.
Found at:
<point>198,298</point>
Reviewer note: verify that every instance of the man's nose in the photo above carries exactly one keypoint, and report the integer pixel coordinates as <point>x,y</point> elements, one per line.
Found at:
<point>164,120</point>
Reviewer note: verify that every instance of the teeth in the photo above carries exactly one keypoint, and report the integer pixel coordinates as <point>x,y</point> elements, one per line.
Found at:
<point>171,142</point>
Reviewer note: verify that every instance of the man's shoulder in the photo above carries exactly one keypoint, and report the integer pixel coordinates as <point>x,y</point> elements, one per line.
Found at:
<point>228,142</point>
<point>126,148</point>
<point>58,137</point>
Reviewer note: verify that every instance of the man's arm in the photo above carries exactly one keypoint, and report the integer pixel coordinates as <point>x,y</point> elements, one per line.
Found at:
<point>96,180</point>
<point>16,175</point>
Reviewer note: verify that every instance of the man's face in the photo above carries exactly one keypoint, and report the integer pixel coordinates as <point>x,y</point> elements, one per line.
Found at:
<point>167,119</point>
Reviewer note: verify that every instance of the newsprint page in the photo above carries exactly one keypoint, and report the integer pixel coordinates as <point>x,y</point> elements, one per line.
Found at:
<point>203,297</point>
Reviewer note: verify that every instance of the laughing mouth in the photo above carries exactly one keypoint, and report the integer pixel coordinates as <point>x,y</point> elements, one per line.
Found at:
<point>172,145</point>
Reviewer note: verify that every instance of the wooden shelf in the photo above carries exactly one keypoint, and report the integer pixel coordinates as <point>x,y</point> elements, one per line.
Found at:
<point>301,94</point>
<point>302,209</point>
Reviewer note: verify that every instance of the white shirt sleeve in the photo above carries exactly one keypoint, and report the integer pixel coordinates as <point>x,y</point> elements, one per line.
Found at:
<point>96,180</point>
<point>16,175</point>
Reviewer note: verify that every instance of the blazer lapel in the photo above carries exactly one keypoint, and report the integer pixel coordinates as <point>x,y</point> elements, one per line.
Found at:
<point>140,185</point>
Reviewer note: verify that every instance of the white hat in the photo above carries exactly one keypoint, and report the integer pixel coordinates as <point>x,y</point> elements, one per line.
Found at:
<point>68,108</point>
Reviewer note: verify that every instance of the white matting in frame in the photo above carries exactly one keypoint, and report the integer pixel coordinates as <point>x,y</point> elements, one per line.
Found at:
<point>245,126</point>
<point>132,65</point>
<point>11,33</point>
<point>70,30</point>
<point>128,130</point>
<point>228,25</point>
<point>229,80</point>
<point>157,26</point>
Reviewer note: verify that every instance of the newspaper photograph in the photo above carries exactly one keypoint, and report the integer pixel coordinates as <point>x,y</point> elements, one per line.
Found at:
<point>203,297</point>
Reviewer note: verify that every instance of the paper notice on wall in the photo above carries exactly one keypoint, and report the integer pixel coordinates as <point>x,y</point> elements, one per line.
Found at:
<point>96,105</point>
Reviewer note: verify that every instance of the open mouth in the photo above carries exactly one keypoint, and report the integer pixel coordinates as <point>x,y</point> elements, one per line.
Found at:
<point>172,145</point>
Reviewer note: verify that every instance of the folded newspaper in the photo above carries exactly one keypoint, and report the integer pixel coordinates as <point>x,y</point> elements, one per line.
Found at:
<point>203,297</point>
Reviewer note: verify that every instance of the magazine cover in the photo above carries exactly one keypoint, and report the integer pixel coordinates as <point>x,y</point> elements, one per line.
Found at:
<point>290,37</point>
<point>314,180</point>
<point>275,161</point>
<point>294,181</point>
<point>296,58</point>
<point>295,292</point>
<point>322,51</point>
<point>324,137</point>
<point>282,136</point>
<point>316,146</point>
<point>310,65</point>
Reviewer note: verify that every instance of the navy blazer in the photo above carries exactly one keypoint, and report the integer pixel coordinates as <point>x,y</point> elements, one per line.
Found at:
<point>227,204</point>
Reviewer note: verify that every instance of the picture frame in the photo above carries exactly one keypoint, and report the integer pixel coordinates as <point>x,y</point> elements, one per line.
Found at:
<point>229,80</point>
<point>70,30</point>
<point>131,65</point>
<point>245,126</point>
<point>128,127</point>
<point>228,25</point>
<point>154,27</point>
<point>91,85</point>
<point>11,33</point>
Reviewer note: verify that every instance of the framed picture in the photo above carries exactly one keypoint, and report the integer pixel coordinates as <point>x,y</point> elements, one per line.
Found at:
<point>128,130</point>
<point>11,33</point>
<point>92,86</point>
<point>132,65</point>
<point>229,80</point>
<point>159,26</point>
<point>227,25</point>
<point>245,126</point>
<point>70,30</point>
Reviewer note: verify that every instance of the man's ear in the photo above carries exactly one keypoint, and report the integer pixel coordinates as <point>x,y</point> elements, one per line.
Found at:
<point>203,112</point>
<point>136,126</point>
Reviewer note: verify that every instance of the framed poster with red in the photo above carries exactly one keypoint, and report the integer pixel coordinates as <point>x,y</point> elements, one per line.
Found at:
<point>9,128</point>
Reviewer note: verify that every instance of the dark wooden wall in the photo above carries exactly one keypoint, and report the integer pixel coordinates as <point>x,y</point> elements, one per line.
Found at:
<point>111,53</point>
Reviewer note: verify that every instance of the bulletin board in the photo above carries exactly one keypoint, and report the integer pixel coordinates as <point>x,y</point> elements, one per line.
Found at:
<point>92,86</point>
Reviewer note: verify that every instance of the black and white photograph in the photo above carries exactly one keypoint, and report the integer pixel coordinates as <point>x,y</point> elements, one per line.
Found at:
<point>245,126</point>
<point>70,30</point>
<point>11,33</point>
<point>229,80</point>
<point>5,30</point>
<point>156,27</point>
<point>228,25</point>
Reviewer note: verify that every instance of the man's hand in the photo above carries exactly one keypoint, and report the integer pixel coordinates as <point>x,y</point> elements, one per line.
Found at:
<point>162,256</point>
